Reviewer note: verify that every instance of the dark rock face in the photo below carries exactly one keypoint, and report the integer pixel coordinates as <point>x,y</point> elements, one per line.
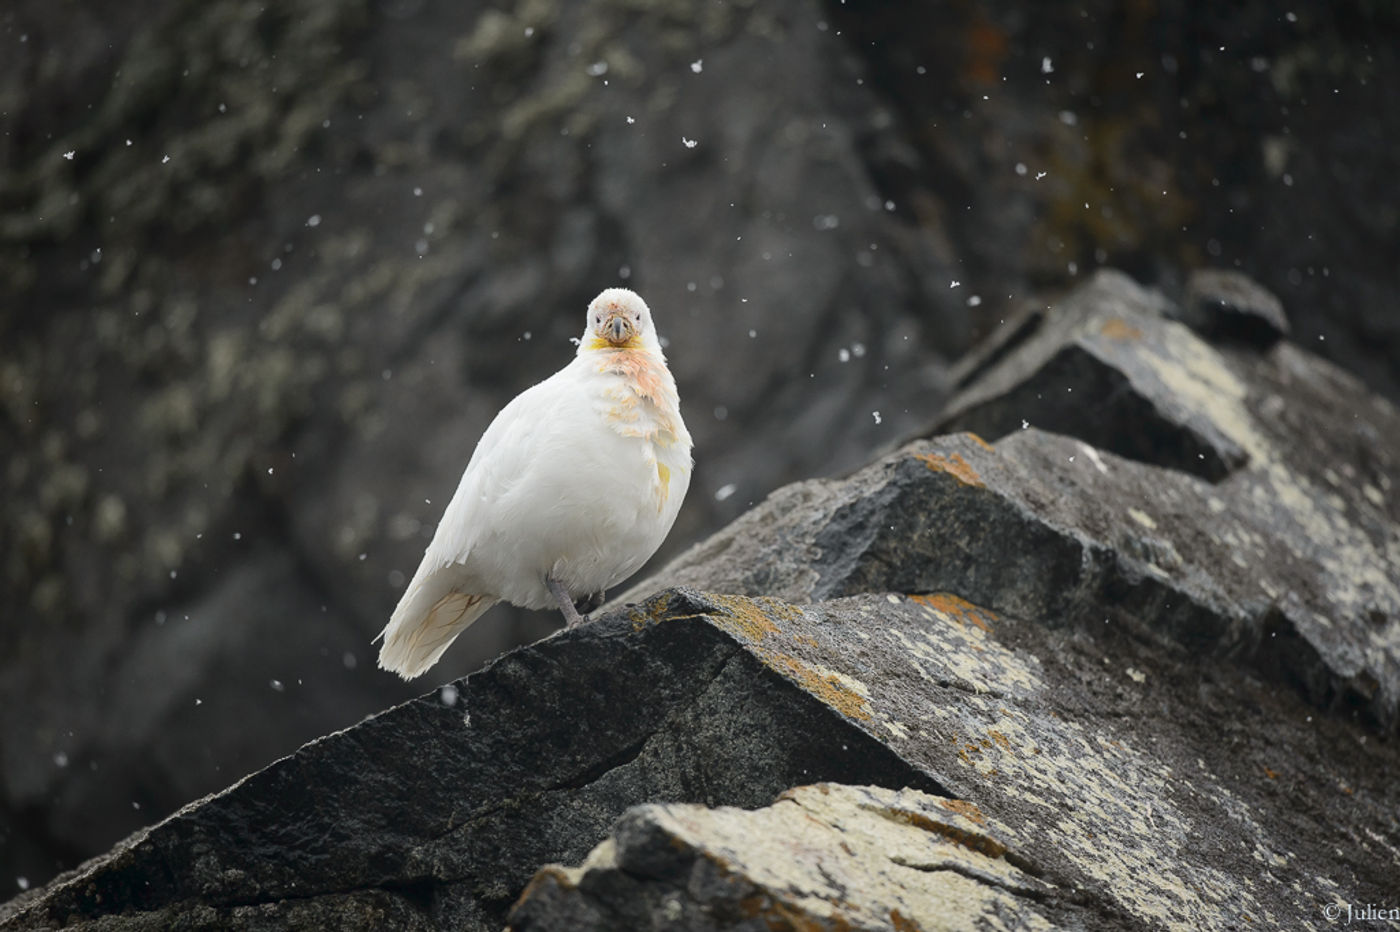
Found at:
<point>1060,686</point>
<point>442,808</point>
<point>1049,140</point>
<point>267,270</point>
<point>1286,560</point>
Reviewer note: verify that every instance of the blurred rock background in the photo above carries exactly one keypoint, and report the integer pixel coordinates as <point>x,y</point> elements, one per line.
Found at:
<point>267,271</point>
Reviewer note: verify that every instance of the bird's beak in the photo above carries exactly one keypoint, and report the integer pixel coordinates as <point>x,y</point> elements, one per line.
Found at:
<point>618,330</point>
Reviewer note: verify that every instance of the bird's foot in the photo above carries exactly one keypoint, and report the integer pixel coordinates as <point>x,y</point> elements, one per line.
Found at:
<point>572,619</point>
<point>588,603</point>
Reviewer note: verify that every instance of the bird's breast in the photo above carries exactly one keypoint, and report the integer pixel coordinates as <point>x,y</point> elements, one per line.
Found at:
<point>637,398</point>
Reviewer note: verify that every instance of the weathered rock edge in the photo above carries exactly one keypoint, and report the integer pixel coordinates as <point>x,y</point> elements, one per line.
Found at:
<point>1112,785</point>
<point>1229,500</point>
<point>436,812</point>
<point>1125,785</point>
<point>823,856</point>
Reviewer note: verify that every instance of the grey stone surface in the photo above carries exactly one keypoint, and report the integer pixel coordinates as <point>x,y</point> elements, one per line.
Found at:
<point>266,271</point>
<point>1128,785</point>
<point>1286,562</point>
<point>1229,306</point>
<point>442,808</point>
<point>823,856</point>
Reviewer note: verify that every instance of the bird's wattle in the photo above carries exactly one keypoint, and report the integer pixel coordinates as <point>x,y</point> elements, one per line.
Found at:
<point>595,342</point>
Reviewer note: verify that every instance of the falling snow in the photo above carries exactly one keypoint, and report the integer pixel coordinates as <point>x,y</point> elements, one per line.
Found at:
<point>698,65</point>
<point>725,491</point>
<point>690,143</point>
<point>876,416</point>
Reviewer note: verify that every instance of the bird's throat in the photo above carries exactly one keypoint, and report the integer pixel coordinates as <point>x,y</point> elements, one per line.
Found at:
<point>595,343</point>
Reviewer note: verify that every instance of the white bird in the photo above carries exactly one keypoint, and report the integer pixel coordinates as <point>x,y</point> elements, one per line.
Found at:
<point>572,488</point>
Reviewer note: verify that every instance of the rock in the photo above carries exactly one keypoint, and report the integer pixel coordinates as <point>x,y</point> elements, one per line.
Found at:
<point>266,272</point>
<point>1039,139</point>
<point>824,856</point>
<point>1127,785</point>
<point>1106,781</point>
<point>438,811</point>
<point>1285,562</point>
<point>1228,305</point>
<point>1061,686</point>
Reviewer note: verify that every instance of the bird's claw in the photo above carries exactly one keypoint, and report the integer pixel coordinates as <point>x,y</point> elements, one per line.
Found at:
<point>586,605</point>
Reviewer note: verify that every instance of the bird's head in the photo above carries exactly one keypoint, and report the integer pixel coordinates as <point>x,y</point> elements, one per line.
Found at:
<point>619,319</point>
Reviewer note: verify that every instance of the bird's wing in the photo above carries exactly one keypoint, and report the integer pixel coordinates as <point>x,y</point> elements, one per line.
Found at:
<point>504,453</point>
<point>445,595</point>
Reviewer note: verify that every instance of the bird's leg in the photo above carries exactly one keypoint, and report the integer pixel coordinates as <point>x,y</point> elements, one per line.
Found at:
<point>566,605</point>
<point>588,603</point>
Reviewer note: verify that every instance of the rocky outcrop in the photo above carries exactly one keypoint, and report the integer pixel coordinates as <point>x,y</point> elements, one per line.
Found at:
<point>1010,679</point>
<point>267,270</point>
<point>1218,498</point>
<point>824,856</point>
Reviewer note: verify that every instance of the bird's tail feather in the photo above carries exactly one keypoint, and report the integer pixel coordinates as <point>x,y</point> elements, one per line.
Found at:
<point>415,638</point>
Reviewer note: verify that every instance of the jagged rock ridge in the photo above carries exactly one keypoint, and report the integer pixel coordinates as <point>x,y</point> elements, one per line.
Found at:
<point>1150,697</point>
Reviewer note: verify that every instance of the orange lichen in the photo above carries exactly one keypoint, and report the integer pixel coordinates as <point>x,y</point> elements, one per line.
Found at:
<point>826,687</point>
<point>974,841</point>
<point>753,620</point>
<point>900,923</point>
<point>958,609</point>
<point>979,441</point>
<point>965,809</point>
<point>655,609</point>
<point>791,917</point>
<point>743,617</point>
<point>1118,329</point>
<point>954,465</point>
<point>1000,739</point>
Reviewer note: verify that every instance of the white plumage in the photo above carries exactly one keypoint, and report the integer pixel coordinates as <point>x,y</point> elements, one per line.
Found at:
<point>572,488</point>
